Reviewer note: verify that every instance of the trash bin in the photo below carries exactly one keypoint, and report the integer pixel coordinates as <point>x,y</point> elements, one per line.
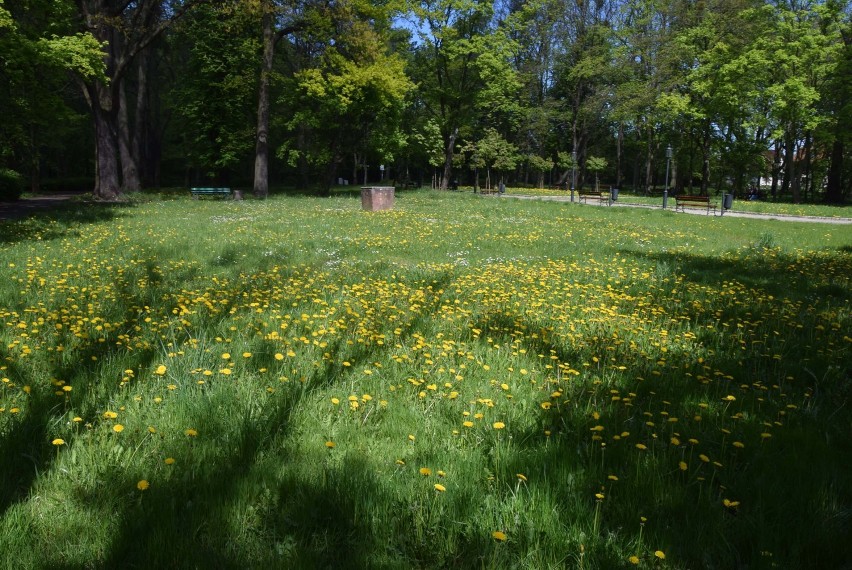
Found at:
<point>613,194</point>
<point>727,201</point>
<point>502,188</point>
<point>374,198</point>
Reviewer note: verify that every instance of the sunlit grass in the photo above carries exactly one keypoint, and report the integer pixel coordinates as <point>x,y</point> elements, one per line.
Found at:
<point>458,382</point>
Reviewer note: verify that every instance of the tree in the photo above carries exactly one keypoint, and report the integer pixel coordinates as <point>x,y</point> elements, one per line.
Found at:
<point>38,51</point>
<point>124,29</point>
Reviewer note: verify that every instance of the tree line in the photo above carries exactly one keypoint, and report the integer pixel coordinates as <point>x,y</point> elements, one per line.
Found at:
<point>728,94</point>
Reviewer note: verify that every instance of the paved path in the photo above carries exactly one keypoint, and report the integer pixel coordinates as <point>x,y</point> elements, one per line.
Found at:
<point>696,211</point>
<point>32,204</point>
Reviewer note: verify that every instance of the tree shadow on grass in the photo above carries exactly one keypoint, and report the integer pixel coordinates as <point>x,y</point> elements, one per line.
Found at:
<point>55,220</point>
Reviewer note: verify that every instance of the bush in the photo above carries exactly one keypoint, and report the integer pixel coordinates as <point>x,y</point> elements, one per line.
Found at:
<point>11,185</point>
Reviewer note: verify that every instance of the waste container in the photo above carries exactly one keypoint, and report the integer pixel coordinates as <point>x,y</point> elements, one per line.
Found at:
<point>374,198</point>
<point>613,194</point>
<point>727,201</point>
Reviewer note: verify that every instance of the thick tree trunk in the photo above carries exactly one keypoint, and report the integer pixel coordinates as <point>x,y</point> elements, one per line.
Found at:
<point>834,189</point>
<point>261,154</point>
<point>448,159</point>
<point>141,130</point>
<point>106,147</point>
<point>129,169</point>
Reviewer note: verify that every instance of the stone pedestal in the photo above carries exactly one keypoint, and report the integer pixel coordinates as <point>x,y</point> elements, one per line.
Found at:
<point>375,198</point>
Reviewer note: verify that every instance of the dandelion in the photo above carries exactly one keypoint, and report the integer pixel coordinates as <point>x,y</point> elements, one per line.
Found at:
<point>191,432</point>
<point>633,559</point>
<point>599,496</point>
<point>246,355</point>
<point>118,428</point>
<point>612,477</point>
<point>143,485</point>
<point>521,477</point>
<point>660,554</point>
<point>440,488</point>
<point>411,437</point>
<point>682,465</point>
<point>161,369</point>
<point>335,401</point>
<point>641,446</point>
<point>738,444</point>
<point>226,356</point>
<point>279,356</point>
<point>169,461</point>
<point>499,535</point>
<point>425,471</point>
<point>330,444</point>
<point>498,425</point>
<point>704,458</point>
<point>58,441</point>
<point>110,415</point>
<point>468,424</point>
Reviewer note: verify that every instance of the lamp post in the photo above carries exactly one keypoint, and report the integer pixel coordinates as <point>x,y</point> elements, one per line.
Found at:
<point>573,170</point>
<point>666,187</point>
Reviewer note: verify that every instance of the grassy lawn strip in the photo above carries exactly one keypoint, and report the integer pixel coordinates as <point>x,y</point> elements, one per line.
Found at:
<point>454,383</point>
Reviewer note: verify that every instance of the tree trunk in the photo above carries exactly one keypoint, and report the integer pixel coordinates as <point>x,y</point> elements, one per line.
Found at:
<point>448,159</point>
<point>141,130</point>
<point>129,169</point>
<point>705,161</point>
<point>619,154</point>
<point>261,155</point>
<point>99,97</point>
<point>649,163</point>
<point>834,190</point>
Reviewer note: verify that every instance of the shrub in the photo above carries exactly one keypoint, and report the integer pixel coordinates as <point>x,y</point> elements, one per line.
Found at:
<point>11,185</point>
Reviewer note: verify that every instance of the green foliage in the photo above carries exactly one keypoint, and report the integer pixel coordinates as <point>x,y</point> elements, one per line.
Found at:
<point>11,185</point>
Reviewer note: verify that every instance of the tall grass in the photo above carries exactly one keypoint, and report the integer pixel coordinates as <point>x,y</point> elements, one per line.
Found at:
<point>457,383</point>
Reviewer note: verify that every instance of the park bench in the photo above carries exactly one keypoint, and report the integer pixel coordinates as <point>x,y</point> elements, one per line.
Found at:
<point>601,197</point>
<point>198,192</point>
<point>682,201</point>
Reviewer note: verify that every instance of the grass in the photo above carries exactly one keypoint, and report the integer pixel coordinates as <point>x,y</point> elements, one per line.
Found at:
<point>458,382</point>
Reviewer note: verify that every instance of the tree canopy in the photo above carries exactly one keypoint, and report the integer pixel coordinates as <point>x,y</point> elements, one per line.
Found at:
<point>123,95</point>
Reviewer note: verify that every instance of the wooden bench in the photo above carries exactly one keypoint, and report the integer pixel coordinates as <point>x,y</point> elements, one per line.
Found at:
<point>221,192</point>
<point>601,197</point>
<point>682,201</point>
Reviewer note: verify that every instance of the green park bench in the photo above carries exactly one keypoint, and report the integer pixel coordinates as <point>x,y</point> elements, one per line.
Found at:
<point>221,192</point>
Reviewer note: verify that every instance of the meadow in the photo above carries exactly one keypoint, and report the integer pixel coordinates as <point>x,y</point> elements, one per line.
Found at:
<point>460,382</point>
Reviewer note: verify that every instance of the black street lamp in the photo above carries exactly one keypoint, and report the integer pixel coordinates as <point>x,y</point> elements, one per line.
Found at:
<point>666,187</point>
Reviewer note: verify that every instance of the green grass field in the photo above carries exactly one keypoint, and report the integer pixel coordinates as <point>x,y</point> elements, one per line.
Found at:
<point>461,382</point>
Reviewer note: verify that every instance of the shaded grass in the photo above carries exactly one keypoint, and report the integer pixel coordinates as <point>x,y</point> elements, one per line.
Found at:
<point>286,324</point>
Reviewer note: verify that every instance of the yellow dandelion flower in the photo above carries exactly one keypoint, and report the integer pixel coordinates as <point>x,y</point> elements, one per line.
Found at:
<point>225,356</point>
<point>704,458</point>
<point>191,432</point>
<point>521,477</point>
<point>109,415</point>
<point>641,446</point>
<point>599,496</point>
<point>545,405</point>
<point>279,356</point>
<point>498,425</point>
<point>682,465</point>
<point>169,461</point>
<point>499,535</point>
<point>67,388</point>
<point>77,419</point>
<point>161,369</point>
<point>58,441</point>
<point>118,428</point>
<point>468,424</point>
<point>411,437</point>
<point>633,559</point>
<point>246,355</point>
<point>335,401</point>
<point>440,488</point>
<point>612,477</point>
<point>738,444</point>
<point>143,485</point>
<point>660,554</point>
<point>425,471</point>
<point>729,398</point>
<point>330,444</point>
